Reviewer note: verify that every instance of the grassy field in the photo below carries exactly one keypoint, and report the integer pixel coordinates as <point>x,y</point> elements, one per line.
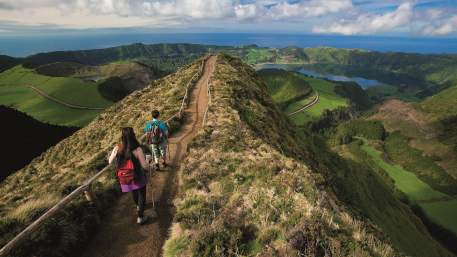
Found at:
<point>441,211</point>
<point>406,181</point>
<point>328,100</point>
<point>15,93</point>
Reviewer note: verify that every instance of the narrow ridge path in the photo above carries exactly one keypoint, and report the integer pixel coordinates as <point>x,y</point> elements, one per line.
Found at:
<point>119,235</point>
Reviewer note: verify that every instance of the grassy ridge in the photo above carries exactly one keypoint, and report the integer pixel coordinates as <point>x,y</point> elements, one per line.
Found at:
<point>15,92</point>
<point>251,184</point>
<point>246,189</point>
<point>28,192</point>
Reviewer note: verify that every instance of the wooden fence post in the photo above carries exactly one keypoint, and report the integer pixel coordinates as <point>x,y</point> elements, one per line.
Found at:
<point>89,196</point>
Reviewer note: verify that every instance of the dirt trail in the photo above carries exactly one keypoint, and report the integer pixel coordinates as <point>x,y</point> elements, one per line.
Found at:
<point>119,234</point>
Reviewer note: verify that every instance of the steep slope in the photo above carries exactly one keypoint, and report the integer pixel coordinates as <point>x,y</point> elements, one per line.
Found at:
<point>253,186</point>
<point>28,135</point>
<point>31,190</point>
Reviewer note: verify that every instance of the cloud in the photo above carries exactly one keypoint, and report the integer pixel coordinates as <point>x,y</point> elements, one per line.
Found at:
<point>313,8</point>
<point>369,23</point>
<point>348,17</point>
<point>440,28</point>
<point>101,12</point>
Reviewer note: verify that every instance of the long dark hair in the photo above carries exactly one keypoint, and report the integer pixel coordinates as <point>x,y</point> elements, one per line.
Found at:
<point>127,145</point>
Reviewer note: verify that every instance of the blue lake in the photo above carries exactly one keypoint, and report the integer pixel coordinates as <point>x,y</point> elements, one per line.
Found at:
<point>362,82</point>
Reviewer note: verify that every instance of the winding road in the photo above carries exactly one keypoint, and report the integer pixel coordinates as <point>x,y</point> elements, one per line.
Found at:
<point>69,105</point>
<point>306,106</point>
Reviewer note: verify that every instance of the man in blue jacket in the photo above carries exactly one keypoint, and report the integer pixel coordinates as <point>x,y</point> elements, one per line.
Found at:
<point>157,137</point>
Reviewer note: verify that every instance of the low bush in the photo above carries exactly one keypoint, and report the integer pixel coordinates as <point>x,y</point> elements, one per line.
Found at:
<point>369,129</point>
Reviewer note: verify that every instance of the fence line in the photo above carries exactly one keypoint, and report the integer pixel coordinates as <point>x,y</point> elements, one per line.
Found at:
<point>205,116</point>
<point>85,187</point>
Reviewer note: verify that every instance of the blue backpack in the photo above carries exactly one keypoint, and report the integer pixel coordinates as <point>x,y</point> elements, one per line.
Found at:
<point>155,134</point>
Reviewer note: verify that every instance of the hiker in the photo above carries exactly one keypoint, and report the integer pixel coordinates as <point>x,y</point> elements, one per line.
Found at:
<point>130,169</point>
<point>157,137</point>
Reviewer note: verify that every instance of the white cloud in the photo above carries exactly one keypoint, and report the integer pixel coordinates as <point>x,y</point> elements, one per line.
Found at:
<point>440,28</point>
<point>144,12</point>
<point>310,8</point>
<point>347,17</point>
<point>368,23</point>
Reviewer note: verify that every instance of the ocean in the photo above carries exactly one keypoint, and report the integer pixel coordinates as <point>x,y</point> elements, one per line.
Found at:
<point>20,46</point>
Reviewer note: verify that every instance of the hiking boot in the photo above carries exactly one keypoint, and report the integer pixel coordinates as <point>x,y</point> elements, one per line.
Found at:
<point>154,214</point>
<point>141,220</point>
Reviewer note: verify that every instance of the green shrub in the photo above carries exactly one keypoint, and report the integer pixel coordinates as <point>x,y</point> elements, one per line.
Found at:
<point>369,129</point>
<point>175,246</point>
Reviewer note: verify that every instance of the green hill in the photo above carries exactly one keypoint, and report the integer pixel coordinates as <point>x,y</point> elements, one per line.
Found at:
<point>291,91</point>
<point>7,62</point>
<point>328,100</point>
<point>285,87</point>
<point>358,97</point>
<point>16,93</point>
<point>164,57</point>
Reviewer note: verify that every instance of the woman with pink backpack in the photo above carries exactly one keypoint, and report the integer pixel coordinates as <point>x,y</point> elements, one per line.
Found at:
<point>131,169</point>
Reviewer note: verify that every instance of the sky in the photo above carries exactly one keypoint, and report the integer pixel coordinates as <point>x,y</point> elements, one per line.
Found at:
<point>422,18</point>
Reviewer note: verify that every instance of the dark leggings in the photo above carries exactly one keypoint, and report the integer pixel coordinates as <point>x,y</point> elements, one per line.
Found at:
<point>139,197</point>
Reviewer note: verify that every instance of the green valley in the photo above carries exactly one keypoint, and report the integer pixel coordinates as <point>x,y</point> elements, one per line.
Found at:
<point>439,207</point>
